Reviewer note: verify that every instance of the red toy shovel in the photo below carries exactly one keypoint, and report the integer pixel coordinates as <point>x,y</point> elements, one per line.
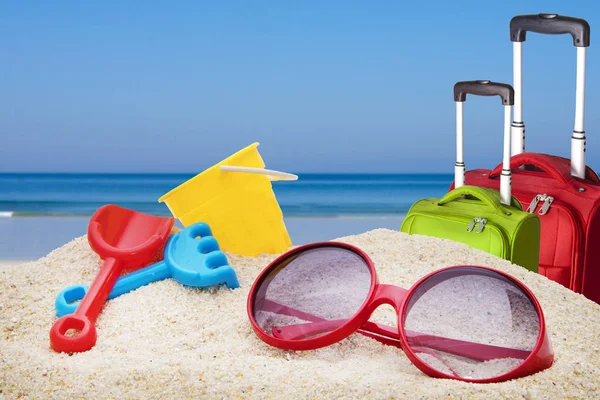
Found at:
<point>122,238</point>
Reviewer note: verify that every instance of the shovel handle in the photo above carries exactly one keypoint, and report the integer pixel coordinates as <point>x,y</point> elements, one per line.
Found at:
<point>83,339</point>
<point>84,318</point>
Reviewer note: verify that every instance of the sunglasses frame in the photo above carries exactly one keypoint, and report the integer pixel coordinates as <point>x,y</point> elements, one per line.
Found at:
<point>541,356</point>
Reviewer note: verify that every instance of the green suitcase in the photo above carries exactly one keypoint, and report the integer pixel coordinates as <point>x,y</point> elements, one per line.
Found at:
<point>483,218</point>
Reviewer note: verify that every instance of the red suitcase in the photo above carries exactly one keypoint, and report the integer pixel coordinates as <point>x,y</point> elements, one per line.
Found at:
<point>565,193</point>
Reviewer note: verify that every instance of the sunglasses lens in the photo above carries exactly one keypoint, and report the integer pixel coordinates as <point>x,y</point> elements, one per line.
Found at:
<point>311,293</point>
<point>471,323</point>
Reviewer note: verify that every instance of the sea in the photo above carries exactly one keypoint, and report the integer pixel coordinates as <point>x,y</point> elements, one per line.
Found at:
<point>39,212</point>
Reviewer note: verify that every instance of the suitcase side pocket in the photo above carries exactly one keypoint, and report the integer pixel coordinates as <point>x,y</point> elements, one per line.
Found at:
<point>526,244</point>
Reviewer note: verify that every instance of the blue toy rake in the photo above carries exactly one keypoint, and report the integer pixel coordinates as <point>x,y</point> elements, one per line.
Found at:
<point>191,256</point>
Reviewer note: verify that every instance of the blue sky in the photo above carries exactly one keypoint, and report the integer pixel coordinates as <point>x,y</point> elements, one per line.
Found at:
<point>336,86</point>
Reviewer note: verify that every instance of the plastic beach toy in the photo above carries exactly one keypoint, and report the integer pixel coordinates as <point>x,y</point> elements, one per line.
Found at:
<point>123,238</point>
<point>191,257</point>
<point>235,197</point>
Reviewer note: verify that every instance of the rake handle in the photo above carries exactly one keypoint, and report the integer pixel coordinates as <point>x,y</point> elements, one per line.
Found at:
<point>67,300</point>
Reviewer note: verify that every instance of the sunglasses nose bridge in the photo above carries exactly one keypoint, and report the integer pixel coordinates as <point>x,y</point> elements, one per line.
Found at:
<point>388,294</point>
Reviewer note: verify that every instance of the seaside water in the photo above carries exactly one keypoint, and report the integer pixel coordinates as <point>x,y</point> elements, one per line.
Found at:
<point>39,212</point>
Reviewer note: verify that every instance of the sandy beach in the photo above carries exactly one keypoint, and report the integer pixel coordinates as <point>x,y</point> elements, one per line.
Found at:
<point>168,341</point>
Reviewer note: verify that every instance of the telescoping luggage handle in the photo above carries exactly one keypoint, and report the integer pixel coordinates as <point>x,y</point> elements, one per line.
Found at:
<point>484,88</point>
<point>554,24</point>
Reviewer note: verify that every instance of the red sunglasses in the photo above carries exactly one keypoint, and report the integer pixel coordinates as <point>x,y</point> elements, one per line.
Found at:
<point>470,323</point>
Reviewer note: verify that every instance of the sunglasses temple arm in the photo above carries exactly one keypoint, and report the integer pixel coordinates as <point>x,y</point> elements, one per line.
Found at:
<point>475,351</point>
<point>383,333</point>
<point>276,308</point>
<point>388,341</point>
<point>302,331</point>
<point>432,353</point>
<point>389,335</point>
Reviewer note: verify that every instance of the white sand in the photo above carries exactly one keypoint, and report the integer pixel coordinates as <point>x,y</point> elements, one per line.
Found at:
<point>168,341</point>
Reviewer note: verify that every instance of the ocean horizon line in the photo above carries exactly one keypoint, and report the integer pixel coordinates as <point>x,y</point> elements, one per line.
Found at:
<point>323,195</point>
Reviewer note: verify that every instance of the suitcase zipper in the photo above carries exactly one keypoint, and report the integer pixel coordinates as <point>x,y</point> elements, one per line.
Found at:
<point>545,199</point>
<point>474,221</point>
<point>481,225</point>
<point>533,205</point>
<point>547,202</point>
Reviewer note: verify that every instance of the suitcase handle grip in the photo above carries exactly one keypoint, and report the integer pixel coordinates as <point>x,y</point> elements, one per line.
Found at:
<point>552,24</point>
<point>559,172</point>
<point>490,197</point>
<point>484,88</point>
